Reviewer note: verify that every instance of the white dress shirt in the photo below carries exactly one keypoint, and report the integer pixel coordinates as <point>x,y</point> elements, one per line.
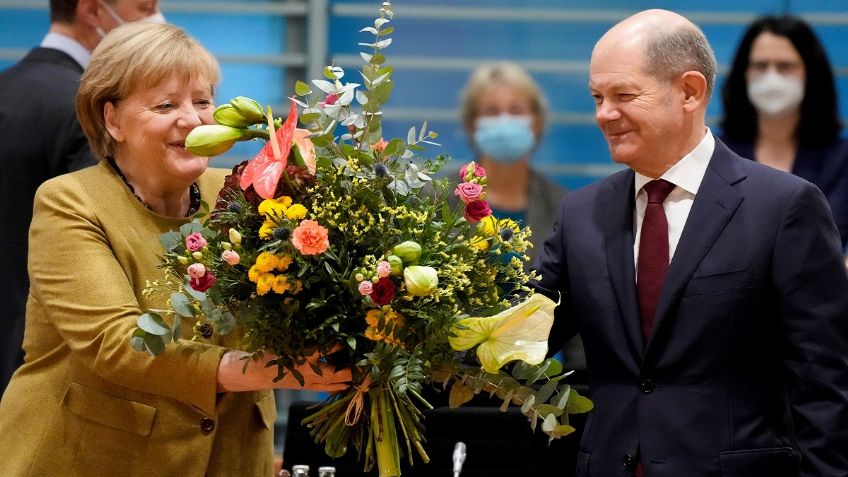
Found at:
<point>686,175</point>
<point>67,45</point>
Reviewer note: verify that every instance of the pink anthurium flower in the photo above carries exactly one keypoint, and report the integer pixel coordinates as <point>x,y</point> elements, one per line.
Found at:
<point>263,171</point>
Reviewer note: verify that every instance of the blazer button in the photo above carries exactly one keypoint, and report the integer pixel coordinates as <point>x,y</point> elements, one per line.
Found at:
<point>207,425</point>
<point>206,330</point>
<point>629,462</point>
<point>647,386</point>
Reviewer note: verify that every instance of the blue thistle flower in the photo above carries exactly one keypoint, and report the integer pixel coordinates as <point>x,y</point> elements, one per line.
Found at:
<point>282,233</point>
<point>381,170</point>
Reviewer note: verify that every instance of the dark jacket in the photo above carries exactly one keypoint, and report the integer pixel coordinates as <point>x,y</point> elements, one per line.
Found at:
<point>744,374</point>
<point>824,166</point>
<point>40,138</point>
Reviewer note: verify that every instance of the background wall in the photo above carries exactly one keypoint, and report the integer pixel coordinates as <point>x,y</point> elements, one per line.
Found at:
<point>264,46</point>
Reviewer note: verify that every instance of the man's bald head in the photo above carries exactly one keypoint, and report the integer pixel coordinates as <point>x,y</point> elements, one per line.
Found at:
<point>669,44</point>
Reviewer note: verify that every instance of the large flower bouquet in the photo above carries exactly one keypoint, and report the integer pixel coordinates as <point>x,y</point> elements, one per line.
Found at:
<point>333,238</point>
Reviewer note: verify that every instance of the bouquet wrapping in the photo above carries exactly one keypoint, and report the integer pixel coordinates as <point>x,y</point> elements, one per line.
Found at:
<point>333,239</point>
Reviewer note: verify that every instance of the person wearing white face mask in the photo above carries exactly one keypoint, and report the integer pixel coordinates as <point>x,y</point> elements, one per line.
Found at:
<point>781,109</point>
<point>40,90</point>
<point>126,11</point>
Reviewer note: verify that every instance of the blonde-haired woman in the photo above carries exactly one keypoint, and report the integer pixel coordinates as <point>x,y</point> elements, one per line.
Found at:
<point>85,403</point>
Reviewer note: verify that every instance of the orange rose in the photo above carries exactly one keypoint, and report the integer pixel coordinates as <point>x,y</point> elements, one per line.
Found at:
<point>310,238</point>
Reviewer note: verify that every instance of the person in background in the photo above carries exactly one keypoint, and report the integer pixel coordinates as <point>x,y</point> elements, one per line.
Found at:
<point>781,109</point>
<point>85,402</point>
<point>709,289</point>
<point>37,94</point>
<point>504,114</point>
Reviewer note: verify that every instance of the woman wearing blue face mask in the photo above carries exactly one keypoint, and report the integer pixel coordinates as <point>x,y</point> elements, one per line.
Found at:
<point>780,108</point>
<point>503,112</point>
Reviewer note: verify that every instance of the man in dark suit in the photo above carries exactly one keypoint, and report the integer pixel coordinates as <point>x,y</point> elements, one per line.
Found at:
<point>40,138</point>
<point>709,290</point>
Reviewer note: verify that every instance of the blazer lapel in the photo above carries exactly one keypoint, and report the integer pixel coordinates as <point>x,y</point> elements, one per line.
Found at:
<point>618,240</point>
<point>713,207</point>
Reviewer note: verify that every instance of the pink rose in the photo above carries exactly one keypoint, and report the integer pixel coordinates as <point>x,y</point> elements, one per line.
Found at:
<point>384,269</point>
<point>195,242</point>
<point>479,171</point>
<point>196,270</point>
<point>477,210</point>
<point>365,287</point>
<point>230,257</point>
<point>469,192</point>
<point>203,283</point>
<point>310,238</point>
<point>383,292</point>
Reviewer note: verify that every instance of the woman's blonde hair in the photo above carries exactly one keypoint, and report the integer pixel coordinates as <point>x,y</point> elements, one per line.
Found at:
<point>132,57</point>
<point>500,73</point>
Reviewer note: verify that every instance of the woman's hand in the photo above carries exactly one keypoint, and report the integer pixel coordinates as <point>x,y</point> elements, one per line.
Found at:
<point>233,377</point>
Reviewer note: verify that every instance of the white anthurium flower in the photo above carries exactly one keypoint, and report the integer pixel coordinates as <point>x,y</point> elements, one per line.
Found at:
<point>520,332</point>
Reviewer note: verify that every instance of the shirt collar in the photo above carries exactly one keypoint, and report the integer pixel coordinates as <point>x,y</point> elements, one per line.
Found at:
<point>689,171</point>
<point>67,45</point>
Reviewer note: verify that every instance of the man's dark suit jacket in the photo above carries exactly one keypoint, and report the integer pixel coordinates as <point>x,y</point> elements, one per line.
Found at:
<point>40,138</point>
<point>745,373</point>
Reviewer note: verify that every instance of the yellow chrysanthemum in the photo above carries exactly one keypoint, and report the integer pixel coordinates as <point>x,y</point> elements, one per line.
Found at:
<point>296,212</point>
<point>267,229</point>
<point>253,274</point>
<point>508,224</point>
<point>373,335</point>
<point>488,226</point>
<point>479,243</point>
<point>265,283</point>
<point>281,284</point>
<point>373,317</point>
<point>265,262</point>
<point>275,207</point>
<point>283,262</point>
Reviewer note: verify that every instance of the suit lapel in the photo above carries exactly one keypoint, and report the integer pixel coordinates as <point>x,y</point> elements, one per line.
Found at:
<point>714,205</point>
<point>618,239</point>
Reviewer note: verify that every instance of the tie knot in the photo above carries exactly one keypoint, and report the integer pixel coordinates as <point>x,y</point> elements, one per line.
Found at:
<point>658,190</point>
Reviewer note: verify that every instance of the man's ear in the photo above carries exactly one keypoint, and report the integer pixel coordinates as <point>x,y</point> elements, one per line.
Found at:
<point>112,122</point>
<point>87,13</point>
<point>694,90</point>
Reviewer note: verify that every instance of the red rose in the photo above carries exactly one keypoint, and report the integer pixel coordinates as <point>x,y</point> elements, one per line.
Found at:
<point>203,283</point>
<point>382,292</point>
<point>477,210</point>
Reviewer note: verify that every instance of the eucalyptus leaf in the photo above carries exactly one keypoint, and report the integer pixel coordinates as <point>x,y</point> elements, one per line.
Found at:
<point>325,86</point>
<point>410,136</point>
<point>137,340</point>
<point>302,89</point>
<point>380,22</point>
<point>171,240</point>
<point>153,324</point>
<point>351,342</point>
<point>181,305</point>
<point>309,118</point>
<point>387,31</point>
<point>226,324</point>
<point>393,147</point>
<point>177,329</point>
<point>154,344</point>
<point>366,56</point>
<point>383,43</point>
<point>191,227</point>
<point>371,30</point>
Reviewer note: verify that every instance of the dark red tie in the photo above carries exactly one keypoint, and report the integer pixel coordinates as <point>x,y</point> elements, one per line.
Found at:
<point>653,253</point>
